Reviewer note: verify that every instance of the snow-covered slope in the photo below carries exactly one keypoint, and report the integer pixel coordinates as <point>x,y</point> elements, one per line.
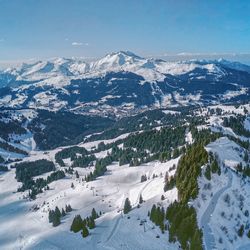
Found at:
<point>106,194</point>
<point>24,222</point>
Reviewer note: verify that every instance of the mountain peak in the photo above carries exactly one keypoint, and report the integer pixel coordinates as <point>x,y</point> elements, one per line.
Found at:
<point>116,60</point>
<point>126,53</point>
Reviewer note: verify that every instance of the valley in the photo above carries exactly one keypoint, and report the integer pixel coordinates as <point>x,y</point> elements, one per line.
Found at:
<point>137,165</point>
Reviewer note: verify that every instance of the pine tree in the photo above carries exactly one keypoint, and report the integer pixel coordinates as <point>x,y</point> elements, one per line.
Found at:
<point>158,216</point>
<point>162,226</point>
<point>85,231</point>
<point>77,175</point>
<point>246,157</point>
<point>248,234</point>
<point>140,199</point>
<point>68,209</point>
<point>72,185</point>
<point>51,215</point>
<point>153,213</point>
<point>77,224</point>
<point>127,206</point>
<point>215,166</point>
<point>166,177</point>
<point>84,222</point>
<point>57,212</point>
<point>63,212</point>
<point>56,220</point>
<point>91,223</point>
<point>94,214</point>
<point>143,178</point>
<point>87,220</point>
<point>32,194</point>
<point>208,172</point>
<point>241,231</point>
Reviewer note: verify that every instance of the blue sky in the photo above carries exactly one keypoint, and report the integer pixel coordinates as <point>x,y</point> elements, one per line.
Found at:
<point>92,28</point>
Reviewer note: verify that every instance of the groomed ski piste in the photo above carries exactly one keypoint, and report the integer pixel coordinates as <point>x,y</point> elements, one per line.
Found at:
<point>25,225</point>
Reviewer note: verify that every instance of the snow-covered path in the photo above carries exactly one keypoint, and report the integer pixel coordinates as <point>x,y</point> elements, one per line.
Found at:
<point>209,239</point>
<point>118,219</point>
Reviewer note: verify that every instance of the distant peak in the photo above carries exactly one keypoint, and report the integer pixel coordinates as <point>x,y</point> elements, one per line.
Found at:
<point>124,53</point>
<point>129,53</point>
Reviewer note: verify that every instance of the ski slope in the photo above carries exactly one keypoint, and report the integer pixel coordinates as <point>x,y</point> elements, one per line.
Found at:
<point>24,224</point>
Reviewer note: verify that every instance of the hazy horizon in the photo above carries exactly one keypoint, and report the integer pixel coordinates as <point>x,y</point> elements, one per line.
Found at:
<point>90,29</point>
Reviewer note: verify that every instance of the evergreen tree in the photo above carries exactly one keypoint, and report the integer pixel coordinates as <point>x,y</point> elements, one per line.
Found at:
<point>91,223</point>
<point>57,212</point>
<point>68,209</point>
<point>214,166</point>
<point>77,175</point>
<point>85,231</point>
<point>77,224</point>
<point>246,157</point>
<point>248,234</point>
<point>32,194</point>
<point>143,178</point>
<point>63,212</point>
<point>153,213</point>
<point>157,216</point>
<point>208,172</point>
<point>127,206</point>
<point>170,183</point>
<point>94,214</point>
<point>84,222</point>
<point>140,199</point>
<point>56,221</point>
<point>51,215</point>
<point>166,177</point>
<point>241,231</point>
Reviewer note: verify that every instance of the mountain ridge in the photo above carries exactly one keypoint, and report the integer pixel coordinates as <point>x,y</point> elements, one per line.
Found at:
<point>121,82</point>
<point>110,62</point>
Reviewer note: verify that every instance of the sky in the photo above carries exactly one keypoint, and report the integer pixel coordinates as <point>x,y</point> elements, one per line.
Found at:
<point>38,29</point>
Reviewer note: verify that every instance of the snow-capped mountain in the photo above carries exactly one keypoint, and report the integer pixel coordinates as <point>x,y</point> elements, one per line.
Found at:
<point>150,69</point>
<point>122,79</point>
<point>45,70</point>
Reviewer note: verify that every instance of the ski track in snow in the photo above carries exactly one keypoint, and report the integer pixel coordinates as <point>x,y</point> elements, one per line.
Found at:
<point>121,214</point>
<point>209,239</point>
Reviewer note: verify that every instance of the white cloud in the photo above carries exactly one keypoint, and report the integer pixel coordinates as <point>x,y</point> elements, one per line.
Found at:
<point>79,44</point>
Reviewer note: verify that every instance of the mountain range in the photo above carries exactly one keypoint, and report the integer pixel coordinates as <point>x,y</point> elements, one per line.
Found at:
<point>121,82</point>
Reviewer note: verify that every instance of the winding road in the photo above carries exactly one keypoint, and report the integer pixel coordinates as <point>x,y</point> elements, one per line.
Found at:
<point>209,239</point>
